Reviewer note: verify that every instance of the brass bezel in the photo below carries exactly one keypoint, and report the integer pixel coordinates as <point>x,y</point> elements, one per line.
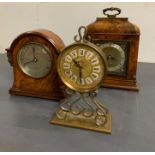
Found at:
<point>95,48</point>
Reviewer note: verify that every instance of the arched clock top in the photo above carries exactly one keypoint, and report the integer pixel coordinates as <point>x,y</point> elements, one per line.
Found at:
<point>47,35</point>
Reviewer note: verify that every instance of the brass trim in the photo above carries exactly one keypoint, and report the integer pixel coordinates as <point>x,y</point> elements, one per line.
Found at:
<point>83,122</point>
<point>90,45</point>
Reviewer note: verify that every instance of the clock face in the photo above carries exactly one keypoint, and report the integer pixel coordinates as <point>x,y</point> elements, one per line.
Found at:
<point>116,57</point>
<point>81,67</point>
<point>35,60</point>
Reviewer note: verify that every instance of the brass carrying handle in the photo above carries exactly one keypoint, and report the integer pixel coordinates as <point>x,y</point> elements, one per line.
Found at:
<point>117,10</point>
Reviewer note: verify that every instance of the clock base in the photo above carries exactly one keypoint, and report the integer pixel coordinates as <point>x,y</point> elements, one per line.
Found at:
<point>50,95</point>
<point>79,121</point>
<point>121,84</point>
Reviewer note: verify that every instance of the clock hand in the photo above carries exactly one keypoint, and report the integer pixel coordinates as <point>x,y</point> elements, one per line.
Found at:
<point>28,62</point>
<point>80,71</point>
<point>80,74</point>
<point>76,63</point>
<point>109,59</point>
<point>34,56</point>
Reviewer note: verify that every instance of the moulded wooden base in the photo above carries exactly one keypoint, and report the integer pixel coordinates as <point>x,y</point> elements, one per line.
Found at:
<point>51,96</point>
<point>82,123</point>
<point>121,84</point>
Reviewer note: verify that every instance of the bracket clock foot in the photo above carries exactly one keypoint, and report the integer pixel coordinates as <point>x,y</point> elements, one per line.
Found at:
<point>121,84</point>
<point>84,111</point>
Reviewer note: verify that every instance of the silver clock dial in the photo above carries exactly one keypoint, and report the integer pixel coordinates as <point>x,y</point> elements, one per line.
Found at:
<point>115,56</point>
<point>35,60</point>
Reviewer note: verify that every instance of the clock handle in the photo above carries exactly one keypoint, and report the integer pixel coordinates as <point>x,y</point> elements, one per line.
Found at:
<point>117,10</point>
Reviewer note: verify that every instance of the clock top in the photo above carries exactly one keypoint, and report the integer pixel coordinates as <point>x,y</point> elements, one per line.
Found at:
<point>112,25</point>
<point>50,36</point>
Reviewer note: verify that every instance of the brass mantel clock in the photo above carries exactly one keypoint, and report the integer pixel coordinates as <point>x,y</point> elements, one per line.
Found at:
<point>33,56</point>
<point>82,67</point>
<point>119,40</point>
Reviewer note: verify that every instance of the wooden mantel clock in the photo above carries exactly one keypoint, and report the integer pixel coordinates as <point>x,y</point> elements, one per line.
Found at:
<point>119,40</point>
<point>33,56</point>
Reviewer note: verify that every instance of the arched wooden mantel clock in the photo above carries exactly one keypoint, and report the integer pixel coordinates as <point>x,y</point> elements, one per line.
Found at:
<point>33,56</point>
<point>82,67</point>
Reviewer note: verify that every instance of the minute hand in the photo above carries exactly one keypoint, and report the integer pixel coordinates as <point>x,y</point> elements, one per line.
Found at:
<point>80,74</point>
<point>77,63</point>
<point>34,56</point>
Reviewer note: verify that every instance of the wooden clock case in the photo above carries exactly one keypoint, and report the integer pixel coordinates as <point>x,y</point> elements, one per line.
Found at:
<point>48,87</point>
<point>114,29</point>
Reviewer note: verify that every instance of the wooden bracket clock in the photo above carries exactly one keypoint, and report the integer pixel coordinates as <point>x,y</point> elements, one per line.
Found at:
<point>119,40</point>
<point>33,56</point>
<point>82,67</point>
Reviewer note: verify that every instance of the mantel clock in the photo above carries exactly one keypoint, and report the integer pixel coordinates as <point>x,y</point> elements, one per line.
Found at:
<point>82,67</point>
<point>119,40</point>
<point>33,56</point>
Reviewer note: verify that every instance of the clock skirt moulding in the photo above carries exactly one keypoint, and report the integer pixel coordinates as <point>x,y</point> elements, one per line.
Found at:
<point>120,32</point>
<point>48,86</point>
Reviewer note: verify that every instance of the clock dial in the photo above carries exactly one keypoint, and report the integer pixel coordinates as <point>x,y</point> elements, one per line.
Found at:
<point>35,60</point>
<point>81,68</point>
<point>115,56</point>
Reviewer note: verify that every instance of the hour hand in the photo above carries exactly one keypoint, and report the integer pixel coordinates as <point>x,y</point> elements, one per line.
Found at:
<point>28,62</point>
<point>76,63</point>
<point>110,59</point>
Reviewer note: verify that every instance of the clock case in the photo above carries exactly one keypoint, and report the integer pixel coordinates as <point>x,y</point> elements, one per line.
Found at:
<point>122,32</point>
<point>48,87</point>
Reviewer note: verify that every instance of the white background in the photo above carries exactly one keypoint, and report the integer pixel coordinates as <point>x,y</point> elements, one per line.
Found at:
<point>65,18</point>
